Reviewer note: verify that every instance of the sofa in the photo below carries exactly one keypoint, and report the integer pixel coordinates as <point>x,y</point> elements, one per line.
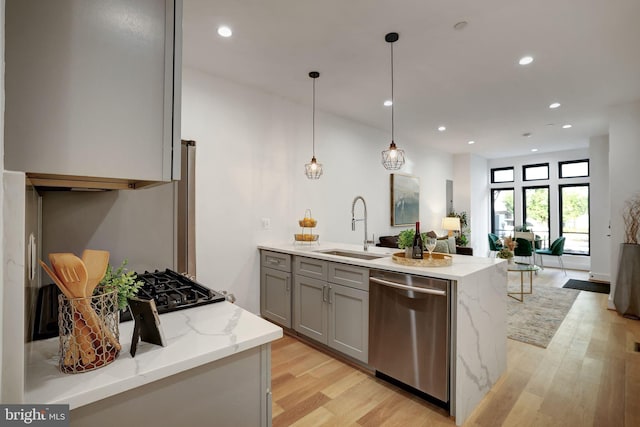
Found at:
<point>445,244</point>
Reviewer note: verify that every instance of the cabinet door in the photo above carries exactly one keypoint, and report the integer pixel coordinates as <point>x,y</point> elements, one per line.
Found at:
<point>275,296</point>
<point>349,321</point>
<point>90,88</point>
<point>310,313</point>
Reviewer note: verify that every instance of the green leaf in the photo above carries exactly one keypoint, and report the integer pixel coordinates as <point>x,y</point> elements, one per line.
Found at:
<point>123,281</point>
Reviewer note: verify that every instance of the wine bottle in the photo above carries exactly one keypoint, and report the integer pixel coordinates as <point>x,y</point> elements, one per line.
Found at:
<point>417,243</point>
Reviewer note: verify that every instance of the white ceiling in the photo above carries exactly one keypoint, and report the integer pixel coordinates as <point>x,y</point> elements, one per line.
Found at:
<point>587,57</point>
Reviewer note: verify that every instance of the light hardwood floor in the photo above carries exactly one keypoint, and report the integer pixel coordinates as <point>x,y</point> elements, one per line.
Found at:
<point>589,375</point>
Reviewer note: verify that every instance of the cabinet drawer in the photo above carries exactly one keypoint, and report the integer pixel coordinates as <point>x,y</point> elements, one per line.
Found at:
<point>310,267</point>
<point>276,261</point>
<point>349,275</point>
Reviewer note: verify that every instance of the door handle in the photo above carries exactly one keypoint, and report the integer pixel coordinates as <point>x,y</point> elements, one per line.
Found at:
<point>330,299</point>
<point>287,288</point>
<point>324,297</point>
<point>408,288</point>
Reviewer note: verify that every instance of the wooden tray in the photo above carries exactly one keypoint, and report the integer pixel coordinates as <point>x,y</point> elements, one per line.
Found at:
<point>437,260</point>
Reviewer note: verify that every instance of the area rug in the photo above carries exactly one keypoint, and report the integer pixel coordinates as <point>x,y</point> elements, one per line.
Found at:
<point>583,285</point>
<point>536,320</point>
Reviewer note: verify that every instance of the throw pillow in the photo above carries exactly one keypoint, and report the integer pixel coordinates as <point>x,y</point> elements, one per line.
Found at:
<point>442,246</point>
<point>452,244</point>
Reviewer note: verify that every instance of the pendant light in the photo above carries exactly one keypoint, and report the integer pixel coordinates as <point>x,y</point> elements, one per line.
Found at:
<point>393,157</point>
<point>313,169</point>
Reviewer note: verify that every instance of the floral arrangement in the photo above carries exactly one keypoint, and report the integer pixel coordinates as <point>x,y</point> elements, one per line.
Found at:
<point>505,253</point>
<point>510,243</point>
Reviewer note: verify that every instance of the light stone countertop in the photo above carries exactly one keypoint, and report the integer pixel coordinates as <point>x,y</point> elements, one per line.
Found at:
<point>462,265</point>
<point>194,337</point>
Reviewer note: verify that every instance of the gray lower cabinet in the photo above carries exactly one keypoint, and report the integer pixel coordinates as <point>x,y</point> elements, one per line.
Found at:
<point>311,314</point>
<point>349,321</point>
<point>331,313</point>
<point>275,288</point>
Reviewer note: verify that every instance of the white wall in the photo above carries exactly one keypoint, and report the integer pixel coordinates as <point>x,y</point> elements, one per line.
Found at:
<point>578,262</point>
<point>624,173</point>
<point>251,151</point>
<point>600,210</point>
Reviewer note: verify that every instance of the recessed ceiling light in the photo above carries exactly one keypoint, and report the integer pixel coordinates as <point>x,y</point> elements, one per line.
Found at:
<point>442,128</point>
<point>534,150</point>
<point>224,31</point>
<point>471,142</point>
<point>525,60</point>
<point>460,25</point>
<point>554,105</point>
<point>388,103</point>
<point>566,126</point>
<point>526,134</point>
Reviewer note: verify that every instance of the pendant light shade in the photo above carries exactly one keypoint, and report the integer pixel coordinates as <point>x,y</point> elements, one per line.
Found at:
<point>313,169</point>
<point>393,157</point>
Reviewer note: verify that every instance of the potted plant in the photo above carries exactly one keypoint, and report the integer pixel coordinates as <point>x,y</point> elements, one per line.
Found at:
<point>505,253</point>
<point>125,282</point>
<point>627,293</point>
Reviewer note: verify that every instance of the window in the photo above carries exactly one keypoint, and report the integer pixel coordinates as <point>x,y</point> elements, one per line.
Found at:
<point>502,211</point>
<point>574,211</point>
<point>535,210</point>
<point>501,175</point>
<point>535,172</point>
<point>573,169</point>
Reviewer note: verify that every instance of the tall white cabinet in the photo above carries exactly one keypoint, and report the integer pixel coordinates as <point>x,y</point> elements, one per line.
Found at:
<point>93,88</point>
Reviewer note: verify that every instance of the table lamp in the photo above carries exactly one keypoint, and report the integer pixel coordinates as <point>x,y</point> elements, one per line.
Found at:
<point>450,224</point>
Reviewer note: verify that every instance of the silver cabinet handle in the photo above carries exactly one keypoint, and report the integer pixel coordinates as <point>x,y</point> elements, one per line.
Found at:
<point>330,299</point>
<point>273,261</point>
<point>408,288</point>
<point>287,288</point>
<point>324,297</point>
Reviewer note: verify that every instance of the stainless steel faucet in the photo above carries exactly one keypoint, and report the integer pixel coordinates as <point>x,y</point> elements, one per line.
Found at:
<point>353,220</point>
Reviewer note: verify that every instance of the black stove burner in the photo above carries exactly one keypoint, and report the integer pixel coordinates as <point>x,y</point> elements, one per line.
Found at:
<point>173,291</point>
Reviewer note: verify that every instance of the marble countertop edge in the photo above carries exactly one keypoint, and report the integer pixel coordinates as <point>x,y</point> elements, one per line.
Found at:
<point>45,384</point>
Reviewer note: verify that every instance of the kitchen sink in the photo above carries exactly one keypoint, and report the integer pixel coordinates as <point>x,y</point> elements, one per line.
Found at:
<point>349,254</point>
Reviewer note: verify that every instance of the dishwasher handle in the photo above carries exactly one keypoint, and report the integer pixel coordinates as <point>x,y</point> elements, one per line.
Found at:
<point>408,288</point>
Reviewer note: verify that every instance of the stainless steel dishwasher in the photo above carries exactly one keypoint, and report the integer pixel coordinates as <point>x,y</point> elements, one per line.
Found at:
<point>409,331</point>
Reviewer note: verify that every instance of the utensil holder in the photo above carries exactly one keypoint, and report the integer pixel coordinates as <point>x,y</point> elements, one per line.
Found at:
<point>89,332</point>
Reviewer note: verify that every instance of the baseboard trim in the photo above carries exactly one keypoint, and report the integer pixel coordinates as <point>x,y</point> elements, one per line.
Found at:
<point>598,277</point>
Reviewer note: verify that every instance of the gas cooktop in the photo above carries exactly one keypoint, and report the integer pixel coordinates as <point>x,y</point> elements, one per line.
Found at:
<point>172,291</point>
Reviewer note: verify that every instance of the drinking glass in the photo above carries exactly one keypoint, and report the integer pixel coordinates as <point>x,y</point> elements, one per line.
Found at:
<point>431,245</point>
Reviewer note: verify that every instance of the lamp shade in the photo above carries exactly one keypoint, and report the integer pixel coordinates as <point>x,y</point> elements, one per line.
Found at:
<point>451,224</point>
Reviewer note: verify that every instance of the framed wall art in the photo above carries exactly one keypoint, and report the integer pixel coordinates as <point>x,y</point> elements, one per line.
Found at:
<point>405,199</point>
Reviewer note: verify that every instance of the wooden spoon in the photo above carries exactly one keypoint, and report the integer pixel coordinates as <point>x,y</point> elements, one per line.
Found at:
<point>56,280</point>
<point>96,263</point>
